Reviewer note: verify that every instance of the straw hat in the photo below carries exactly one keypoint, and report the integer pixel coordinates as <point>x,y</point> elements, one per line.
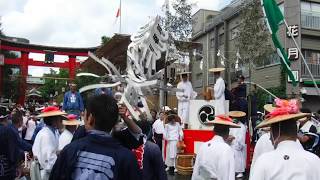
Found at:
<point>281,118</point>
<point>51,111</point>
<point>225,120</point>
<point>237,114</point>
<point>216,69</point>
<point>285,110</point>
<point>269,107</point>
<point>71,120</point>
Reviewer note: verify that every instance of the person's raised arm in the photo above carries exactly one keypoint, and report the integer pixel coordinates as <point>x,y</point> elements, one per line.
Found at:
<point>132,126</point>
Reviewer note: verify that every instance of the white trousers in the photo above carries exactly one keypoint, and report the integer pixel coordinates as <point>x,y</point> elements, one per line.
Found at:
<point>171,153</point>
<point>183,112</point>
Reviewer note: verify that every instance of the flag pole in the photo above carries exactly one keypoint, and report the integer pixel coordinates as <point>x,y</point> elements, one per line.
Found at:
<point>120,18</point>
<point>304,60</point>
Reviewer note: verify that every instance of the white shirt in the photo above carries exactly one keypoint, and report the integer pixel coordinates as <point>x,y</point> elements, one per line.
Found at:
<point>263,145</point>
<point>65,139</point>
<point>172,132</point>
<point>158,127</point>
<point>239,146</point>
<point>306,127</point>
<point>219,88</point>
<point>219,96</point>
<point>215,160</point>
<point>45,148</point>
<point>188,91</point>
<point>31,126</point>
<point>239,143</point>
<point>288,161</point>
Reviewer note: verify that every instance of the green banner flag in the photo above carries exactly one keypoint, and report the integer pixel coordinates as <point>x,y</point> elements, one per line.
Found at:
<point>275,18</point>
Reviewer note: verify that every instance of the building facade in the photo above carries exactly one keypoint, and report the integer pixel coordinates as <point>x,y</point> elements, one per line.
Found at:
<point>217,31</point>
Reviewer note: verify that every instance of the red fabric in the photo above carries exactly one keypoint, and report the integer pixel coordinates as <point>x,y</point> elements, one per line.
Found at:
<point>50,109</point>
<point>249,150</point>
<point>139,155</point>
<point>72,117</point>
<point>224,118</point>
<point>190,136</point>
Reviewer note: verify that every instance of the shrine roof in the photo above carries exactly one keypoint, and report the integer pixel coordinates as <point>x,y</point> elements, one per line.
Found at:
<point>115,50</point>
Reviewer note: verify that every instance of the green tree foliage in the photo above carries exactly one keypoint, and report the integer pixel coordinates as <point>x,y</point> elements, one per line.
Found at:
<point>179,21</point>
<point>52,85</point>
<point>254,43</point>
<point>10,75</point>
<point>254,39</point>
<point>85,80</point>
<point>11,81</point>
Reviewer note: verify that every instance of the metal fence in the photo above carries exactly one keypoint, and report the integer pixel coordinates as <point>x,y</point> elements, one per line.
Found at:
<point>314,68</point>
<point>310,21</point>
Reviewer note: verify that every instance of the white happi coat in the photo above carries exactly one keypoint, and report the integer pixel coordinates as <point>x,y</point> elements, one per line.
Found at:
<point>239,147</point>
<point>184,102</point>
<point>172,134</point>
<point>263,145</point>
<point>65,139</point>
<point>219,97</point>
<point>215,160</point>
<point>288,161</point>
<point>45,148</point>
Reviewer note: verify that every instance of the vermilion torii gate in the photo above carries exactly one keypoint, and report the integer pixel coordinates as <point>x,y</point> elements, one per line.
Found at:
<point>24,61</point>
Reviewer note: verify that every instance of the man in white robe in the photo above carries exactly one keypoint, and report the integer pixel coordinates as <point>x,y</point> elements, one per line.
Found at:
<point>262,146</point>
<point>215,159</point>
<point>172,134</point>
<point>45,147</point>
<point>218,91</point>
<point>184,97</point>
<point>70,127</point>
<point>264,143</point>
<point>239,143</point>
<point>289,160</point>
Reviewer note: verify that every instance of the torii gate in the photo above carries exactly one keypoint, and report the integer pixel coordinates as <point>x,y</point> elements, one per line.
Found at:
<point>24,61</point>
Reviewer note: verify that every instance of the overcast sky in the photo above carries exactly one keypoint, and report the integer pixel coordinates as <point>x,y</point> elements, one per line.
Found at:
<point>79,23</point>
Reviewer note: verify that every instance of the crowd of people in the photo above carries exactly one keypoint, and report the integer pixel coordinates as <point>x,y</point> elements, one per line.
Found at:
<point>101,140</point>
<point>51,141</point>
